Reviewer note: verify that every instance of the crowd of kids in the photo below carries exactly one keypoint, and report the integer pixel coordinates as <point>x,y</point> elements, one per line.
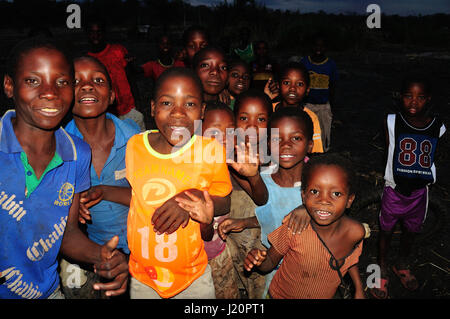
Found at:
<point>230,193</point>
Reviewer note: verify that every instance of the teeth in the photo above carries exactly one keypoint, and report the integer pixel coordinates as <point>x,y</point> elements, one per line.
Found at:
<point>322,213</point>
<point>286,156</point>
<point>88,99</point>
<point>50,110</point>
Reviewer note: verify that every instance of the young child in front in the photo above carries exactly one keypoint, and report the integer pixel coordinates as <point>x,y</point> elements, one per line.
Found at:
<point>211,66</point>
<point>412,137</point>
<point>293,83</point>
<point>239,77</point>
<point>178,178</point>
<point>44,170</point>
<point>315,260</point>
<point>290,139</point>
<point>104,207</point>
<point>324,75</point>
<point>218,118</point>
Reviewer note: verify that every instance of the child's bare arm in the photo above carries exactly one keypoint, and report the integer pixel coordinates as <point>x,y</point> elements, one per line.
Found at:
<point>236,225</point>
<point>266,261</point>
<point>108,262</point>
<point>356,278</point>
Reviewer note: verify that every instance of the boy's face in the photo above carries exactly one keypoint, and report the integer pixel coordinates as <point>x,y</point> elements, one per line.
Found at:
<point>215,124</point>
<point>261,49</point>
<point>238,79</point>
<point>42,88</point>
<point>415,99</point>
<point>197,40</point>
<point>177,104</point>
<point>293,87</point>
<point>95,34</point>
<point>327,194</point>
<point>319,48</point>
<point>93,93</point>
<point>289,145</point>
<point>164,45</point>
<point>252,115</point>
<point>212,71</point>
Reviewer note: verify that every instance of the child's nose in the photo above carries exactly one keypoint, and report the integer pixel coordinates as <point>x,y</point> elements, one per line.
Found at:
<point>49,91</point>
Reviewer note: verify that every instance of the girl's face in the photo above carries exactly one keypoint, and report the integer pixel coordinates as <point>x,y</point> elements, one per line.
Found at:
<point>175,108</point>
<point>252,115</point>
<point>212,71</point>
<point>238,79</point>
<point>327,194</point>
<point>197,40</point>
<point>93,93</point>
<point>215,125</point>
<point>289,145</point>
<point>293,87</point>
<point>414,100</point>
<point>42,88</point>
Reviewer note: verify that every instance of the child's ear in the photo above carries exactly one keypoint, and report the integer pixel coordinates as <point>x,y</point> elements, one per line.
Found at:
<point>112,97</point>
<point>350,200</point>
<point>310,146</point>
<point>307,90</point>
<point>8,85</point>
<point>152,108</point>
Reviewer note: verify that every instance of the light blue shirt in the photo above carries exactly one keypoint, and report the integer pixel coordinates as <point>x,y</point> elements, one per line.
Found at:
<point>109,218</point>
<point>32,227</point>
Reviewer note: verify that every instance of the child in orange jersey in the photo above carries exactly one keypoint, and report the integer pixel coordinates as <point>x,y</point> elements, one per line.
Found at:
<point>178,178</point>
<point>315,260</point>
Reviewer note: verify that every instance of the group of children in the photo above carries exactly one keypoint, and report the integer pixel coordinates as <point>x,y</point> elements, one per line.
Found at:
<point>231,191</point>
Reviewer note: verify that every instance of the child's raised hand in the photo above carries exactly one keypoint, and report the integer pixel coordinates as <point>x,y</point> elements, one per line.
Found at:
<point>271,89</point>
<point>255,257</point>
<point>114,265</point>
<point>88,199</point>
<point>247,163</point>
<point>200,209</point>
<point>225,97</point>
<point>297,220</point>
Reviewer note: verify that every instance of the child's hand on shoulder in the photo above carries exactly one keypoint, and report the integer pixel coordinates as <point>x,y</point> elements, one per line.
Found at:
<point>200,209</point>
<point>254,258</point>
<point>297,220</point>
<point>247,163</point>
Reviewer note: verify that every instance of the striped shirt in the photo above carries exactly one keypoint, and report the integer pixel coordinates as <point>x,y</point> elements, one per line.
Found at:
<point>305,272</point>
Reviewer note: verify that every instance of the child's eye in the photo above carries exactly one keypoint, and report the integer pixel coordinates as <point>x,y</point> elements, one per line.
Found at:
<point>242,118</point>
<point>337,194</point>
<point>246,77</point>
<point>407,96</point>
<point>297,138</point>
<point>190,104</point>
<point>261,119</point>
<point>285,82</point>
<point>63,83</point>
<point>99,80</point>
<point>31,81</point>
<point>422,98</point>
<point>224,68</point>
<point>204,65</point>
<point>76,81</point>
<point>165,103</point>
<point>235,75</point>
<point>314,191</point>
<point>300,84</point>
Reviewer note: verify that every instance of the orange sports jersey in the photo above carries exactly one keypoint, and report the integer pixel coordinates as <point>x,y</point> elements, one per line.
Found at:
<point>170,263</point>
<point>317,131</point>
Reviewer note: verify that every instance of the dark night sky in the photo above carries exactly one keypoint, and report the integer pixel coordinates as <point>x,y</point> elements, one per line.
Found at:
<point>400,7</point>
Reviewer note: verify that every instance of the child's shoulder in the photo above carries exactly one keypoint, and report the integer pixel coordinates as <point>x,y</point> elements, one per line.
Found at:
<point>354,230</point>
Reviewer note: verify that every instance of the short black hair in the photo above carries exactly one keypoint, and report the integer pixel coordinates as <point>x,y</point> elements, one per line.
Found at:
<point>201,54</point>
<point>95,60</point>
<point>253,93</point>
<point>176,72</point>
<point>237,61</point>
<point>330,159</point>
<point>29,44</point>
<point>294,66</point>
<point>411,78</point>
<point>218,105</point>
<point>192,29</point>
<point>294,113</point>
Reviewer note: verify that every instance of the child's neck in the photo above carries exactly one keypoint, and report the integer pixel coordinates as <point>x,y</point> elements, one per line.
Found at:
<point>288,177</point>
<point>93,128</point>
<point>418,121</point>
<point>318,58</point>
<point>160,144</point>
<point>165,59</point>
<point>299,104</point>
<point>209,97</point>
<point>327,231</point>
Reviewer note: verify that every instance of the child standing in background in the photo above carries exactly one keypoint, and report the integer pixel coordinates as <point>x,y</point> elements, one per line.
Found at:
<point>239,77</point>
<point>315,261</point>
<point>115,58</point>
<point>195,38</point>
<point>321,97</point>
<point>293,83</point>
<point>412,137</point>
<point>178,179</point>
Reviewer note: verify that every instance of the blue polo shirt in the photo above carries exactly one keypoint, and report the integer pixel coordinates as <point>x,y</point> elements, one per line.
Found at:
<point>109,218</point>
<point>33,219</point>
